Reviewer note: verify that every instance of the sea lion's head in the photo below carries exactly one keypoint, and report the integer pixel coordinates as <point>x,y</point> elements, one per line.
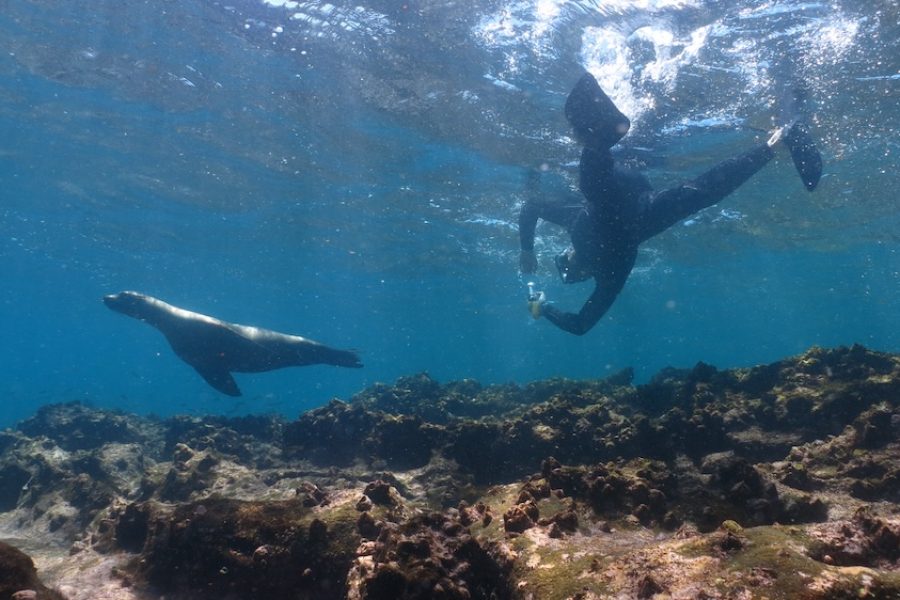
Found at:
<point>128,303</point>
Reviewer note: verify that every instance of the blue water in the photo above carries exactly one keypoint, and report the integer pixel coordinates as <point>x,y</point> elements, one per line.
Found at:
<point>352,173</point>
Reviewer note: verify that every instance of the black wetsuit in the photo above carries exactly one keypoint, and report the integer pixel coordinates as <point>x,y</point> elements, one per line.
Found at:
<point>620,212</point>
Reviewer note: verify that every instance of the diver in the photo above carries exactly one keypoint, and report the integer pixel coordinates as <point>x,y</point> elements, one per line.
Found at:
<point>620,210</point>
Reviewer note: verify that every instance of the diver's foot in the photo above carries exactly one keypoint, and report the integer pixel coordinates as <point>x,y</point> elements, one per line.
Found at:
<point>807,159</point>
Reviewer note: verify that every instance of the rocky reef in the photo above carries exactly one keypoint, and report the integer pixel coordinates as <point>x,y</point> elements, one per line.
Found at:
<point>777,481</point>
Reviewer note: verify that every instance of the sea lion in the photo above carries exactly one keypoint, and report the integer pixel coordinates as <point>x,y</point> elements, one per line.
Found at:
<point>216,348</point>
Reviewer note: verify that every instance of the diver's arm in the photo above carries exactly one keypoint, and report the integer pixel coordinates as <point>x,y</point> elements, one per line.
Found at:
<point>581,322</point>
<point>561,210</point>
<point>595,307</point>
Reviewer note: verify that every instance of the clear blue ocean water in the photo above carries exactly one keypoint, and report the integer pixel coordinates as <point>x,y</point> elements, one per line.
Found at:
<point>351,172</point>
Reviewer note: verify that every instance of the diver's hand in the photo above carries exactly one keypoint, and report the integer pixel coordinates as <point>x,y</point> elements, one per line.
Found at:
<point>527,261</point>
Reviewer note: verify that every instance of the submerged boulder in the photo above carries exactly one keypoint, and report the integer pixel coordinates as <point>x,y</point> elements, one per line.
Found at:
<point>18,577</point>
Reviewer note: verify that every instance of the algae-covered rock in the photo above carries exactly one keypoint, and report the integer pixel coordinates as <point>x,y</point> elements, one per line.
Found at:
<point>702,483</point>
<point>225,548</point>
<point>74,426</point>
<point>429,556</point>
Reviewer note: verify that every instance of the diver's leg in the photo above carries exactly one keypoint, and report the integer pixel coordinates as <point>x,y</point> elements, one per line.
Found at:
<point>661,210</point>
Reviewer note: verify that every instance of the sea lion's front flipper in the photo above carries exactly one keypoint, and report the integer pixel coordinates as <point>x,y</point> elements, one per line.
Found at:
<point>219,379</point>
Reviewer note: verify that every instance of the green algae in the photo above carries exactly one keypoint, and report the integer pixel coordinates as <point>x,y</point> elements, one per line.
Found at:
<point>558,574</point>
<point>732,526</point>
<point>781,550</point>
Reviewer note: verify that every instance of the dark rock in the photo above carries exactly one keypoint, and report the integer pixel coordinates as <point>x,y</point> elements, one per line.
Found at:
<point>865,541</point>
<point>623,378</point>
<point>802,509</point>
<point>13,479</point>
<point>520,517</point>
<point>17,573</point>
<point>567,521</point>
<point>419,561</point>
<point>382,493</point>
<point>874,428</point>
<point>555,531</point>
<point>132,527</point>
<point>331,435</point>
<point>798,477</point>
<point>74,426</point>
<point>727,541</point>
<point>671,521</point>
<point>8,439</point>
<point>190,473</point>
<point>310,494</point>
<point>568,479</point>
<point>237,438</point>
<point>403,442</point>
<point>883,486</point>
<point>548,465</point>
<point>212,550</point>
<point>648,587</point>
<point>535,489</point>
<point>318,531</point>
<point>734,474</point>
<point>364,504</point>
<point>367,526</point>
<point>642,512</point>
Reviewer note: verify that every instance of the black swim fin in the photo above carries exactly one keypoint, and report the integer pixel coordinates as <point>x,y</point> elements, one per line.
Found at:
<point>807,159</point>
<point>597,122</point>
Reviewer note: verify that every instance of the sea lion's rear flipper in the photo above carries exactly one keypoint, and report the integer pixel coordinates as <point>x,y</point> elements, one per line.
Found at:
<point>219,379</point>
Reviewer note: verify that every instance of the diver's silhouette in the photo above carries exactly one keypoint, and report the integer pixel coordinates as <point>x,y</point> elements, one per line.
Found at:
<point>621,210</point>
